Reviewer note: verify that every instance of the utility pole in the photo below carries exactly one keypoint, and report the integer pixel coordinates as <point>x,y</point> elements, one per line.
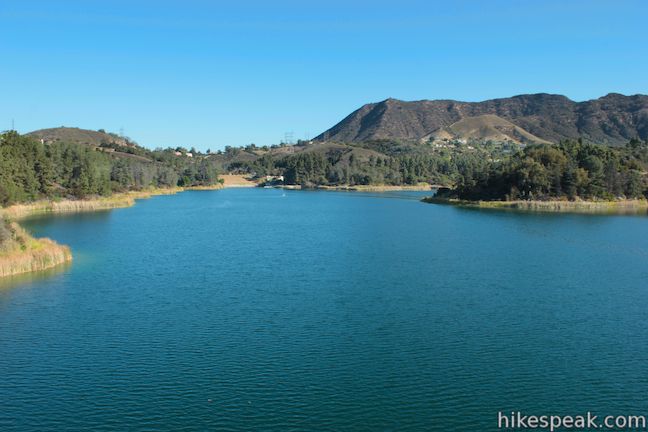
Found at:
<point>13,125</point>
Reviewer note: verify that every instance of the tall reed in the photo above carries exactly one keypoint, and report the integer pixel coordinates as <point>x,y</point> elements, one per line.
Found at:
<point>21,253</point>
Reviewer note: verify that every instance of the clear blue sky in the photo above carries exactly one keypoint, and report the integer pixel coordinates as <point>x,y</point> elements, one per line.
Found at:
<point>215,73</point>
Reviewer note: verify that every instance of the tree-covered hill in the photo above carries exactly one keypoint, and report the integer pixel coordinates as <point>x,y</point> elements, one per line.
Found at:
<point>32,168</point>
<point>477,170</point>
<point>368,163</point>
<point>569,170</point>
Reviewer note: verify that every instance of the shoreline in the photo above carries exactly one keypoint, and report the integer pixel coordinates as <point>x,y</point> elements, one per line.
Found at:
<point>44,253</point>
<point>26,254</point>
<point>116,200</point>
<point>379,188</point>
<point>364,188</point>
<point>620,207</point>
<point>22,253</point>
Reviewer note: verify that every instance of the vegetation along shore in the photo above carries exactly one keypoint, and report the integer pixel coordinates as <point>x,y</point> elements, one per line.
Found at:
<point>572,176</point>
<point>73,171</point>
<point>625,206</point>
<point>21,253</point>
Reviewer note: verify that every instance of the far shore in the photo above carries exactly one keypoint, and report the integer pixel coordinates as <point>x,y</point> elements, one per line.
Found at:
<point>624,206</point>
<point>366,188</point>
<point>380,188</point>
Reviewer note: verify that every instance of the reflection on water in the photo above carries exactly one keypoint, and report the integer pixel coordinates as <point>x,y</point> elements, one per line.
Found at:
<point>99,215</point>
<point>32,278</point>
<point>618,211</point>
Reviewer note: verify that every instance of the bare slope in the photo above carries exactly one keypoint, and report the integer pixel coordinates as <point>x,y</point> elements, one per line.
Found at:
<point>484,128</point>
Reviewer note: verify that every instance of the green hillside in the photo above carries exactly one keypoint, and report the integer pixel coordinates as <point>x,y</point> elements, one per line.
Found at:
<point>33,168</point>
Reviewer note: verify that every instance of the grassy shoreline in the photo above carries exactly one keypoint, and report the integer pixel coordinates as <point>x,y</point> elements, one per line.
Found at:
<point>23,253</point>
<point>633,206</point>
<point>116,200</point>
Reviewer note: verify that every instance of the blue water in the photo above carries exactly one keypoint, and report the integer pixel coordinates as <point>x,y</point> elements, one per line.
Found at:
<point>292,310</point>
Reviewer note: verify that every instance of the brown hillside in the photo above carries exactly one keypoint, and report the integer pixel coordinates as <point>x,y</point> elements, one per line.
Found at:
<point>484,128</point>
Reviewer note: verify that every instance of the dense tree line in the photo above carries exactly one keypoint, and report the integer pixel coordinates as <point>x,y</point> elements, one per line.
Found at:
<point>346,168</point>
<point>569,170</point>
<point>30,170</point>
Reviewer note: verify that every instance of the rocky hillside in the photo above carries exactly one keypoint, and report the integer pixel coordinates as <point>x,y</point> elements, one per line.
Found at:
<point>613,119</point>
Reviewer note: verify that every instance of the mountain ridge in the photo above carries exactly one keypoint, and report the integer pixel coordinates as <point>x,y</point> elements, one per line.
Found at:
<point>611,119</point>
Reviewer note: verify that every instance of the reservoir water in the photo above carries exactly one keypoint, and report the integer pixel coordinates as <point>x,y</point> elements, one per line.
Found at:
<point>272,310</point>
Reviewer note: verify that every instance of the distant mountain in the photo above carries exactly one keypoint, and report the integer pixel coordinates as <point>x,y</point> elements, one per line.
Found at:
<point>613,119</point>
<point>80,136</point>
